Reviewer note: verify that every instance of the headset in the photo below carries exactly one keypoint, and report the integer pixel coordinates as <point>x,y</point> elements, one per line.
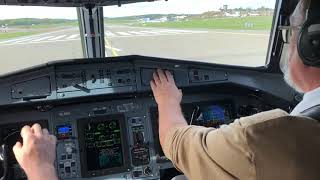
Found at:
<point>309,36</point>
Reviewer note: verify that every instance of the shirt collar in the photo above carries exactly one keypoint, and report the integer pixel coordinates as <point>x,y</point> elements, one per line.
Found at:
<point>310,99</point>
<point>312,95</point>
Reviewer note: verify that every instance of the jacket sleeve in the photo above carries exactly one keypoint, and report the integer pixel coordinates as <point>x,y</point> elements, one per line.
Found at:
<point>207,153</point>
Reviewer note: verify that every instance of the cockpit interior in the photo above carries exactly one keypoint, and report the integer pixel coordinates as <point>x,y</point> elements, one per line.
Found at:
<point>100,105</point>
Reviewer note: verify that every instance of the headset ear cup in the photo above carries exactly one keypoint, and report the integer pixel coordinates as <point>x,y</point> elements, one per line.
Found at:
<point>309,54</point>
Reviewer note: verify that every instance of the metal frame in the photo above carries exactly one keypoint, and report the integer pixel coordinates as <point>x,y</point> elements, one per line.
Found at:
<point>91,24</point>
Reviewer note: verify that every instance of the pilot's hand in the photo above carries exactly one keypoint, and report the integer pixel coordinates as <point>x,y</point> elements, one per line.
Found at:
<point>37,154</point>
<point>164,89</point>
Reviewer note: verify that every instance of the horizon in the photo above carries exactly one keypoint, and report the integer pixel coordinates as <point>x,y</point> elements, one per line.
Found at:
<point>190,7</point>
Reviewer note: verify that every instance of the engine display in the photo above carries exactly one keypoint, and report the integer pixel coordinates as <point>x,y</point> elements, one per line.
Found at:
<point>103,145</point>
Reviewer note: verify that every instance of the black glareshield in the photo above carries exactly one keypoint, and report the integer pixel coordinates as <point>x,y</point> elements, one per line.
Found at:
<point>309,37</point>
<point>3,162</point>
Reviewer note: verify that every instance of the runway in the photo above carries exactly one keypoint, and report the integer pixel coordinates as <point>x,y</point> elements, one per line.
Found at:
<point>247,48</point>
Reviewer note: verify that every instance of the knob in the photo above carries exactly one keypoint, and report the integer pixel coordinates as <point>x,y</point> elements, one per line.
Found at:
<point>147,171</point>
<point>69,149</point>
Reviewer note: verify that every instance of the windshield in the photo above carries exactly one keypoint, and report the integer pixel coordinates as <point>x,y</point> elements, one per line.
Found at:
<point>215,31</point>
<point>35,35</point>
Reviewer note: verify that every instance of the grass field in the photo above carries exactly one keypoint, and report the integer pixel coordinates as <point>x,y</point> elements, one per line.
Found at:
<point>245,23</point>
<point>10,35</point>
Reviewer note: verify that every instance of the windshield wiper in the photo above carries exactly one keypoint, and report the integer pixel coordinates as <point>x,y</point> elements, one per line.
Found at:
<point>82,88</point>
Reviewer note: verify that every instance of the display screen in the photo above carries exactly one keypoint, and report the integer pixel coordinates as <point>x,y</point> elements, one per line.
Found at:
<point>103,145</point>
<point>207,114</point>
<point>213,116</point>
<point>64,131</point>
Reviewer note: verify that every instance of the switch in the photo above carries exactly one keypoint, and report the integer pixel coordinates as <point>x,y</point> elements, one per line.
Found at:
<point>63,157</point>
<point>93,78</point>
<point>68,169</point>
<point>195,72</point>
<point>69,156</point>
<point>61,165</point>
<point>73,164</point>
<point>133,121</point>
<point>137,173</point>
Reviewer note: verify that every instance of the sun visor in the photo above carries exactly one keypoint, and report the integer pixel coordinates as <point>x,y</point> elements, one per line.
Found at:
<point>69,3</point>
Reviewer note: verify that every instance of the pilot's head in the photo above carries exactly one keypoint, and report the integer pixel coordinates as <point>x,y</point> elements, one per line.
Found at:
<point>301,77</point>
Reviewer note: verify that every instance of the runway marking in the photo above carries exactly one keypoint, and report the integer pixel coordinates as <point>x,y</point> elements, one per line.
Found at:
<point>23,43</point>
<point>56,38</point>
<point>151,32</point>
<point>109,34</point>
<point>136,32</point>
<point>124,33</point>
<point>51,37</point>
<point>74,36</point>
<point>41,39</point>
<point>234,33</point>
<point>32,36</point>
<point>14,40</point>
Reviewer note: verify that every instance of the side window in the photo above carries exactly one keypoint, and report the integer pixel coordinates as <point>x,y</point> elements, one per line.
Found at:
<point>35,35</point>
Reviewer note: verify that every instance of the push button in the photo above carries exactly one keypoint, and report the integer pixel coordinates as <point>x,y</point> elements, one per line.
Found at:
<point>73,164</point>
<point>61,165</point>
<point>63,157</point>
<point>69,156</point>
<point>68,169</point>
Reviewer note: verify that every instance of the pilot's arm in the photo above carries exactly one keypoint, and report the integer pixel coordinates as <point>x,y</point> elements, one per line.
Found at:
<point>37,154</point>
<point>200,153</point>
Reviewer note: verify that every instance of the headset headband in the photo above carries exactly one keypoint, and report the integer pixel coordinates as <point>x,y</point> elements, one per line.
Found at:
<point>313,11</point>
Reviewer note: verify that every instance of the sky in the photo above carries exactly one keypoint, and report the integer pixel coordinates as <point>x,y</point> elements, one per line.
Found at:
<point>157,7</point>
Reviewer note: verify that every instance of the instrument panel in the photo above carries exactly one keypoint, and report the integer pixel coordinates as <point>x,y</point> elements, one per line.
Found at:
<point>106,120</point>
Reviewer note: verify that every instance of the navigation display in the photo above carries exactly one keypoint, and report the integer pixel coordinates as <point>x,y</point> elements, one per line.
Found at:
<point>207,114</point>
<point>213,116</point>
<point>103,144</point>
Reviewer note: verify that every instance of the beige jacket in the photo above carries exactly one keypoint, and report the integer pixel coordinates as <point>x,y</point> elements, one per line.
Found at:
<point>267,146</point>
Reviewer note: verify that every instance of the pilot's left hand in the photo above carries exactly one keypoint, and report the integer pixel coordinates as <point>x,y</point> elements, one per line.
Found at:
<point>37,154</point>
